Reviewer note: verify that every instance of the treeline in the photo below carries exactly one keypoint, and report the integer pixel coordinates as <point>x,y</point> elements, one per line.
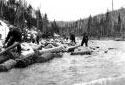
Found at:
<point>111,24</point>
<point>22,14</point>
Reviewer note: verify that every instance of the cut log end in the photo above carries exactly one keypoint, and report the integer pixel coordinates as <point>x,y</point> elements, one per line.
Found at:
<point>81,53</point>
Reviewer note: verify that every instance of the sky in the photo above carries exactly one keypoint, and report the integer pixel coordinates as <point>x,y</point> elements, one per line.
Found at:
<point>67,10</point>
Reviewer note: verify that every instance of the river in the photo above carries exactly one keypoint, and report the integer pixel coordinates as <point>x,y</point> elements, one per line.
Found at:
<point>107,60</point>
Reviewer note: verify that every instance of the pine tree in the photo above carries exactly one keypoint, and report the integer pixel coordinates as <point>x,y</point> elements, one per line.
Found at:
<point>39,20</point>
<point>45,23</point>
<point>55,27</point>
<point>119,23</point>
<point>89,25</point>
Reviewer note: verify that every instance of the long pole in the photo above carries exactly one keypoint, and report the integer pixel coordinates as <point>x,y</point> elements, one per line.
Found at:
<point>112,5</point>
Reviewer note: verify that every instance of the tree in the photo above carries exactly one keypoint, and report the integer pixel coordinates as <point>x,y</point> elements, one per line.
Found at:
<point>45,23</point>
<point>55,27</point>
<point>101,26</point>
<point>119,23</point>
<point>107,25</point>
<point>12,2</point>
<point>39,20</point>
<point>89,25</point>
<point>1,7</point>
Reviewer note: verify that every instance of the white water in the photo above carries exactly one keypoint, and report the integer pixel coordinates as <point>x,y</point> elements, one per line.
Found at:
<point>106,66</point>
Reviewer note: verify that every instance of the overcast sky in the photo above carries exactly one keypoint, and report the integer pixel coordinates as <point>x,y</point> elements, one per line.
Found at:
<point>66,10</point>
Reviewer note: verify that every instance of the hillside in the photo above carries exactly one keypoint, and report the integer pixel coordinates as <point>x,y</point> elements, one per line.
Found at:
<point>109,24</point>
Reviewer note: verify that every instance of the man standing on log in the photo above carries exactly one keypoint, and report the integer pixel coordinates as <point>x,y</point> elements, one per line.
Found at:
<point>72,38</point>
<point>13,36</point>
<point>85,40</point>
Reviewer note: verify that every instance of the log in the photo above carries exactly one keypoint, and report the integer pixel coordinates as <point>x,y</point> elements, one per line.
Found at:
<point>5,56</point>
<point>44,57</point>
<point>27,58</point>
<point>57,55</point>
<point>7,65</point>
<point>22,63</point>
<point>72,48</point>
<point>9,48</point>
<point>50,50</point>
<point>49,46</point>
<point>54,44</point>
<point>35,46</point>
<point>119,39</point>
<point>36,58</point>
<point>47,57</point>
<point>81,53</point>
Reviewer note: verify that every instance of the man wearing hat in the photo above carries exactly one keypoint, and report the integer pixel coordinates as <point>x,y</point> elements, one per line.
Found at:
<point>85,40</point>
<point>14,35</point>
<point>72,37</point>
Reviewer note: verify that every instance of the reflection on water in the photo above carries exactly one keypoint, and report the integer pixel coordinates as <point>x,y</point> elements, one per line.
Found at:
<point>67,70</point>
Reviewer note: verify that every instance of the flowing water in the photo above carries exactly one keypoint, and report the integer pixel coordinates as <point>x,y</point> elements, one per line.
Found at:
<point>106,61</point>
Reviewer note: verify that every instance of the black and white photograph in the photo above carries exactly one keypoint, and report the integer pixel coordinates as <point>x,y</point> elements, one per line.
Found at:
<point>62,42</point>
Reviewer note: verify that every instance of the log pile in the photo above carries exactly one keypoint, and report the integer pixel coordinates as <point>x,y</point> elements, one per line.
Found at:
<point>47,56</point>
<point>36,58</point>
<point>33,53</point>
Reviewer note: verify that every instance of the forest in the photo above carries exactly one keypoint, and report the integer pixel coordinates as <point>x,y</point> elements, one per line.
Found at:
<point>110,24</point>
<point>23,15</point>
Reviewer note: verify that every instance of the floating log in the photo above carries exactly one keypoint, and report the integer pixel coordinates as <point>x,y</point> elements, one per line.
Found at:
<point>5,56</point>
<point>57,55</point>
<point>7,65</point>
<point>50,50</point>
<point>21,63</point>
<point>81,53</point>
<point>36,58</point>
<point>47,56</point>
<point>26,58</point>
<point>119,39</point>
<point>71,48</point>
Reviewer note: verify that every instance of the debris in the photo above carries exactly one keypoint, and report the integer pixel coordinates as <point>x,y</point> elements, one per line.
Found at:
<point>105,51</point>
<point>81,53</point>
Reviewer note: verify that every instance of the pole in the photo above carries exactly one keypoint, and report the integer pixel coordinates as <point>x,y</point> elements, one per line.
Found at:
<point>112,5</point>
